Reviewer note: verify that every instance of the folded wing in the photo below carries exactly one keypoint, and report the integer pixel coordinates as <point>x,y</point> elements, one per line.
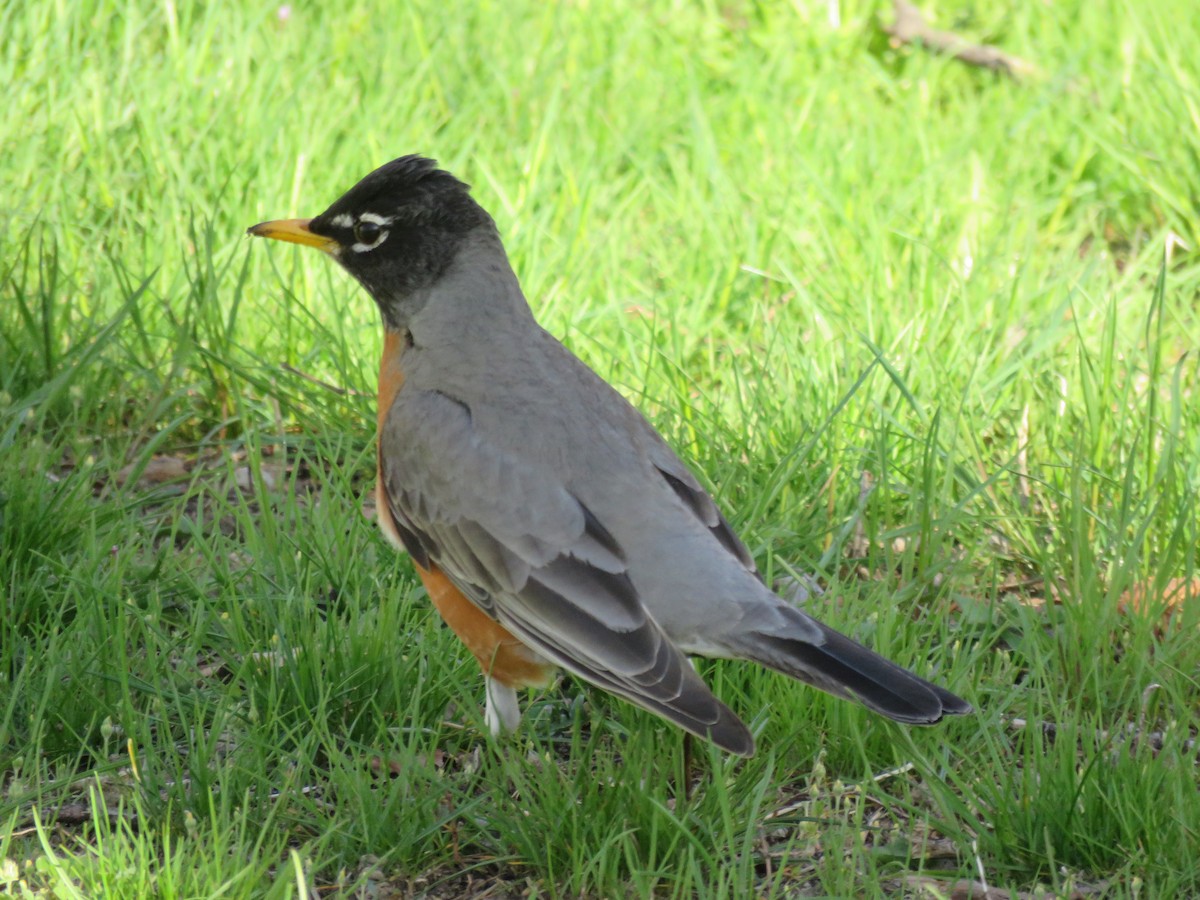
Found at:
<point>528,553</point>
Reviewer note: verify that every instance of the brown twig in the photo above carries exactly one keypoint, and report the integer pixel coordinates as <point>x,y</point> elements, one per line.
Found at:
<point>911,27</point>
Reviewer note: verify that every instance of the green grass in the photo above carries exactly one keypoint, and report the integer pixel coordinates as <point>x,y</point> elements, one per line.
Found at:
<point>814,260</point>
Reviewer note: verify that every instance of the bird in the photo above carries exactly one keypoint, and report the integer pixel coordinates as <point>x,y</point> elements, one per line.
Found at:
<point>551,525</point>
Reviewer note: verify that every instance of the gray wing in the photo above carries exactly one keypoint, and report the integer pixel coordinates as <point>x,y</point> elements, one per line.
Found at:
<point>695,498</point>
<point>527,552</point>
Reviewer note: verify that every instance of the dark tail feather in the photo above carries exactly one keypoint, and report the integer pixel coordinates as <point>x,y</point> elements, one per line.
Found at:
<point>849,670</point>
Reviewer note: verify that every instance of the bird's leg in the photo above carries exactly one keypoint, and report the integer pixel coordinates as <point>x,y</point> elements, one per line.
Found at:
<point>502,712</point>
<point>689,752</point>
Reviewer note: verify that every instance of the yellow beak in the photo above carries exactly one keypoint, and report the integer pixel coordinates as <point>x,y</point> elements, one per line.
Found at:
<point>294,231</point>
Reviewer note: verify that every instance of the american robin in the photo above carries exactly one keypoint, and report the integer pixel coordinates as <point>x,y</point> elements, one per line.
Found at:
<point>551,524</point>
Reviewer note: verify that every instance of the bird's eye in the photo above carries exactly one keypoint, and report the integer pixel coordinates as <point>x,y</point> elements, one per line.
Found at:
<point>367,233</point>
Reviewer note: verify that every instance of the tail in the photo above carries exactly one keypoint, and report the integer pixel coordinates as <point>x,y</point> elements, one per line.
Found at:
<point>832,662</point>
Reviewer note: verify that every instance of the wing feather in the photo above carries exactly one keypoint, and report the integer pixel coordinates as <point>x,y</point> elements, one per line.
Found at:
<point>696,499</point>
<point>528,553</point>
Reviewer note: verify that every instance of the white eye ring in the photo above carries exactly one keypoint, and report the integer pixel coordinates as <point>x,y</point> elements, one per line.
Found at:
<point>369,232</point>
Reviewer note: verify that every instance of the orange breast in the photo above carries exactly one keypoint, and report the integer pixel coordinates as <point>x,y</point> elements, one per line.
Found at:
<point>500,655</point>
<point>391,373</point>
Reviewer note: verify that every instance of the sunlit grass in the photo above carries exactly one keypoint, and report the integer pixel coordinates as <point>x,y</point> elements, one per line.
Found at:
<point>928,334</point>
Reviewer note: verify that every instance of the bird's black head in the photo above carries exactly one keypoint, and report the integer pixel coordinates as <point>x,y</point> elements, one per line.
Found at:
<point>396,231</point>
